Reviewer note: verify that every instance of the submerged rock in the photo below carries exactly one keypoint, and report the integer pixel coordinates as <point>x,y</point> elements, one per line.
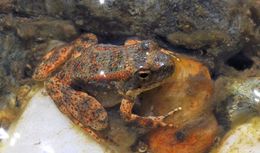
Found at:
<point>242,138</point>
<point>217,27</point>
<point>239,99</point>
<point>45,29</point>
<point>6,6</point>
<point>42,128</point>
<point>196,138</point>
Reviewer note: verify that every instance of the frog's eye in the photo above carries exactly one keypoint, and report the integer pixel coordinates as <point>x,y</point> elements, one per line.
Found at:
<point>144,74</point>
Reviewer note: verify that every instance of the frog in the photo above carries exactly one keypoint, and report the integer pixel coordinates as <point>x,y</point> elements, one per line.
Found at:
<point>71,71</point>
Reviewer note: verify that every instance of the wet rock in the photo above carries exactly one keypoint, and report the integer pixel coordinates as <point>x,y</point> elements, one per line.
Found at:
<point>217,27</point>
<point>239,99</point>
<point>123,135</point>
<point>39,29</point>
<point>27,134</point>
<point>45,29</point>
<point>17,62</point>
<point>3,81</point>
<point>195,139</point>
<point>9,45</point>
<point>6,6</point>
<point>241,138</point>
<point>199,39</point>
<point>13,57</point>
<point>12,104</point>
<point>234,93</point>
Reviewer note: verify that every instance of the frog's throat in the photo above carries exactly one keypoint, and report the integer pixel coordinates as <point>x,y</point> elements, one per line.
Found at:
<point>134,93</point>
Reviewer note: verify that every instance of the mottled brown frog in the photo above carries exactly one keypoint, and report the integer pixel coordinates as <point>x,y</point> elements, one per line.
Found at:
<point>88,69</point>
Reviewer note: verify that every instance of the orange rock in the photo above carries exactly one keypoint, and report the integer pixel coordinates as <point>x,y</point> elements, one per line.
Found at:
<point>189,88</point>
<point>190,139</point>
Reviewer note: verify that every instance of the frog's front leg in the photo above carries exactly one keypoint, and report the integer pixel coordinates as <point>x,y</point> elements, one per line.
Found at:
<point>148,121</point>
<point>80,107</point>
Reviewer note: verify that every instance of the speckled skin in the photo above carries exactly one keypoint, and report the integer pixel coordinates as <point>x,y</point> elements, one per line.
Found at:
<point>126,70</point>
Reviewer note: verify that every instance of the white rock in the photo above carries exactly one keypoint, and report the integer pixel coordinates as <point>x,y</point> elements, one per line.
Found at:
<point>42,128</point>
<point>242,139</point>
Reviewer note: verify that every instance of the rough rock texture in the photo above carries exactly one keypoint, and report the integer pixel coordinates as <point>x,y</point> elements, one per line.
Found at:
<point>242,138</point>
<point>239,100</point>
<point>237,86</point>
<point>215,28</point>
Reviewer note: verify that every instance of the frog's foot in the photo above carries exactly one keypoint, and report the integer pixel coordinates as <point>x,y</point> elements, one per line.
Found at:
<point>149,121</point>
<point>77,105</point>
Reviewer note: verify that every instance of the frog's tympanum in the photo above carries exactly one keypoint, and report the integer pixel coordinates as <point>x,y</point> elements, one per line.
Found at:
<point>94,70</point>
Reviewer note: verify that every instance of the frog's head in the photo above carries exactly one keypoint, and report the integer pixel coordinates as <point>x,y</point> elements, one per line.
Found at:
<point>151,66</point>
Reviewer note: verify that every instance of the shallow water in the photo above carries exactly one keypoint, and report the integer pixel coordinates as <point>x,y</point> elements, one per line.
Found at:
<point>223,36</point>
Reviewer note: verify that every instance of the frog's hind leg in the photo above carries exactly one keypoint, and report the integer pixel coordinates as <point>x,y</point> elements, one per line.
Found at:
<point>147,121</point>
<point>59,55</point>
<point>80,107</point>
<point>51,61</point>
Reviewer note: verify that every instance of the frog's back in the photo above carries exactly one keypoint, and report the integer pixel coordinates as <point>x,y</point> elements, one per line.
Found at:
<point>101,61</point>
<point>96,71</point>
